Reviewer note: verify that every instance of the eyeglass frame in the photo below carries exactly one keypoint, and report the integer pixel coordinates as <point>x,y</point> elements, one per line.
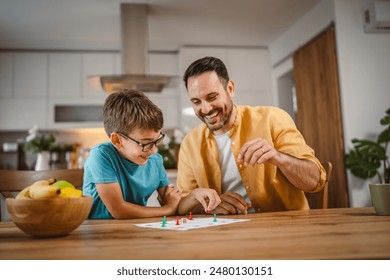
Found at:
<point>153,143</point>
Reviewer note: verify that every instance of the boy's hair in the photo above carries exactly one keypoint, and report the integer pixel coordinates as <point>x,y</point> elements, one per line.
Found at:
<point>128,110</point>
<point>207,64</point>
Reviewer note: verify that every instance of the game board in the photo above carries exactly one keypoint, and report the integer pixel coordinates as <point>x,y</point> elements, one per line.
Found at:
<point>195,223</point>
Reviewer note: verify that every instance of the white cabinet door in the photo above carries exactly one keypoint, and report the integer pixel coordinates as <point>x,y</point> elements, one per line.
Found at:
<point>30,74</point>
<point>96,64</point>
<point>23,113</point>
<point>6,74</point>
<point>168,99</point>
<point>65,75</point>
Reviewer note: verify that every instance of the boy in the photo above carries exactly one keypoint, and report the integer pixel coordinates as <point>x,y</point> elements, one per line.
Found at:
<point>121,174</point>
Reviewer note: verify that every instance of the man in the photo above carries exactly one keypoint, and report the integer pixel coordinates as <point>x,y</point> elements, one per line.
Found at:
<point>242,158</point>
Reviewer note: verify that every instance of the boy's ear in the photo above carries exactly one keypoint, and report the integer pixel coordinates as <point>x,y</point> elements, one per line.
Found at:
<point>115,140</point>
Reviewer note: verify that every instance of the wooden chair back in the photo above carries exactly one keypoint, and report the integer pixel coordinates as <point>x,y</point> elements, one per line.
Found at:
<point>16,180</point>
<point>319,200</point>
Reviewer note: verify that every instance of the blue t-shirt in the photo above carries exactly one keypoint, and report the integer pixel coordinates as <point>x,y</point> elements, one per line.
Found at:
<point>105,165</point>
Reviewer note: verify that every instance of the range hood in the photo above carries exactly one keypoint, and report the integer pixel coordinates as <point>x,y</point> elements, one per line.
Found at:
<point>135,54</point>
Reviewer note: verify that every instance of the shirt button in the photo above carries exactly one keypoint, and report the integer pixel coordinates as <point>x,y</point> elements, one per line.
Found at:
<point>240,166</point>
<point>248,188</point>
<point>233,143</point>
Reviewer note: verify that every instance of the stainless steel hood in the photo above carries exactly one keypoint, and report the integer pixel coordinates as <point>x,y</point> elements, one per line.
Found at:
<point>135,54</point>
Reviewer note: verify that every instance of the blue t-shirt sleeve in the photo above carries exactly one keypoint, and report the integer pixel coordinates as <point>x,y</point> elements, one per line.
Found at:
<point>101,166</point>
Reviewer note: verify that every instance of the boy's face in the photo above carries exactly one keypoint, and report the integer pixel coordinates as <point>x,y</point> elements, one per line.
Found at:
<point>128,147</point>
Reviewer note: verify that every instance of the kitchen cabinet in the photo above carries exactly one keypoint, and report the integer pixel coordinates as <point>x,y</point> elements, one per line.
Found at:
<point>48,83</point>
<point>23,113</point>
<point>6,74</point>
<point>30,74</point>
<point>65,75</point>
<point>35,86</point>
<point>96,64</point>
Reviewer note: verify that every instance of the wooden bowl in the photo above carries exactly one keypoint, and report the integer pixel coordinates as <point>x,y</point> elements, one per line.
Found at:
<point>49,217</point>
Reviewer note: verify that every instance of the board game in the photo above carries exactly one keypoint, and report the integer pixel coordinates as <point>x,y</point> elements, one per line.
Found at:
<point>188,224</point>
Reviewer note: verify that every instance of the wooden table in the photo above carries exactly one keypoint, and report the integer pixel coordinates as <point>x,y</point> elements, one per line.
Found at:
<point>347,233</point>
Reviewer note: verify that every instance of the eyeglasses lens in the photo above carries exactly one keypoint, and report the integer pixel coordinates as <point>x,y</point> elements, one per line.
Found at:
<point>149,146</point>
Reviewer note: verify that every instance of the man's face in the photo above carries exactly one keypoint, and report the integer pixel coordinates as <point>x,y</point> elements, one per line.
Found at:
<point>212,103</point>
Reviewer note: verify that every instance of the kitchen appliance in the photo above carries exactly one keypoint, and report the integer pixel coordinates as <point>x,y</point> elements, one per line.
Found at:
<point>135,58</point>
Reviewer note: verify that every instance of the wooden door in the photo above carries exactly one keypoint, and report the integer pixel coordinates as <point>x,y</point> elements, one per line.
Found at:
<point>318,114</point>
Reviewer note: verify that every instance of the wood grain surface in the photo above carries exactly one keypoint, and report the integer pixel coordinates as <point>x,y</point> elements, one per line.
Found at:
<point>337,233</point>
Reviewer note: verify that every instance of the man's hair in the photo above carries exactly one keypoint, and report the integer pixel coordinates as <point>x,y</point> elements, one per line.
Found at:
<point>207,64</point>
<point>128,110</point>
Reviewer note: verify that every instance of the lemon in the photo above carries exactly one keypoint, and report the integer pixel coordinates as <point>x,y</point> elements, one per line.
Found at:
<point>70,192</point>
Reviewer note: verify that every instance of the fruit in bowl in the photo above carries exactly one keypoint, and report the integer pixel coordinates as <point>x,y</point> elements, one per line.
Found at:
<point>46,210</point>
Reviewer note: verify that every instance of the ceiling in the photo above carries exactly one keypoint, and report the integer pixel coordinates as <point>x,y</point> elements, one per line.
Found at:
<point>95,24</point>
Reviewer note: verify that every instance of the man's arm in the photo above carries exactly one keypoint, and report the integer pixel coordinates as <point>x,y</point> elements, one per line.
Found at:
<point>302,173</point>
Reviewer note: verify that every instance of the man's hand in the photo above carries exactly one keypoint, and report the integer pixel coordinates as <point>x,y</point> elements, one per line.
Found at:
<point>258,151</point>
<point>232,203</point>
<point>209,198</point>
<point>302,173</point>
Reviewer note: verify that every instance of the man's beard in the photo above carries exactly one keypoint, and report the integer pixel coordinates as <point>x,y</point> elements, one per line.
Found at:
<point>224,120</point>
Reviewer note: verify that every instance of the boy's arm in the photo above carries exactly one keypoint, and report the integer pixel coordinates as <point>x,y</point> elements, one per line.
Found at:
<point>111,196</point>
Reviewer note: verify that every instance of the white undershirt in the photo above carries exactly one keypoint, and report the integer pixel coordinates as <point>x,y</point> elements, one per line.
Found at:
<point>231,178</point>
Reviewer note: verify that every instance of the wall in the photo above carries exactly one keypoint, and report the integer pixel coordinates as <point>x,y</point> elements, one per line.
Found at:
<point>364,64</point>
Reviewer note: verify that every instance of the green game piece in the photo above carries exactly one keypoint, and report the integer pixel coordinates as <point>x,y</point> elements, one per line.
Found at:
<point>164,221</point>
<point>215,217</point>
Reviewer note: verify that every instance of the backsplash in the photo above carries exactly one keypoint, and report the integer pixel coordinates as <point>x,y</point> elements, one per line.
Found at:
<point>81,139</point>
<point>77,138</point>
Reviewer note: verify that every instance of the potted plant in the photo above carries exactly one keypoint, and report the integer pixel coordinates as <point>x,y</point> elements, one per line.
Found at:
<point>365,161</point>
<point>41,145</point>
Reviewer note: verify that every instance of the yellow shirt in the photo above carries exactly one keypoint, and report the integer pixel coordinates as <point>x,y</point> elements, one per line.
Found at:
<point>267,188</point>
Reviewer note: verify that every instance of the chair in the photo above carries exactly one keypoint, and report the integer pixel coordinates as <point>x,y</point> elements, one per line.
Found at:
<point>16,180</point>
<point>319,200</point>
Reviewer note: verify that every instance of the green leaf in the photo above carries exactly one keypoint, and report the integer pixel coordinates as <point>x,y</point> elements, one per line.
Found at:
<point>368,156</point>
<point>361,165</point>
<point>384,136</point>
<point>40,143</point>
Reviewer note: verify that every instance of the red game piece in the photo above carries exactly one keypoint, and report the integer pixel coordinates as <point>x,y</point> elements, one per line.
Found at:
<point>190,217</point>
<point>177,221</point>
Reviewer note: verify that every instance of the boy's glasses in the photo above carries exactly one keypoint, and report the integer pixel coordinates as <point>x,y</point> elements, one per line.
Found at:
<point>148,146</point>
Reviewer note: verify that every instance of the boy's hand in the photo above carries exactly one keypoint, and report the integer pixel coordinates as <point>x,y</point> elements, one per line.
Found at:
<point>209,198</point>
<point>171,198</point>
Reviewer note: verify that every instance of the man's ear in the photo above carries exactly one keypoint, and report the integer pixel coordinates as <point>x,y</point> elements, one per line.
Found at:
<point>115,140</point>
<point>231,88</point>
